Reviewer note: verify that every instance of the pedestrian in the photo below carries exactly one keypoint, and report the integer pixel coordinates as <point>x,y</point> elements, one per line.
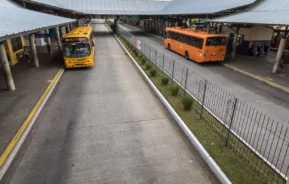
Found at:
<point>27,53</point>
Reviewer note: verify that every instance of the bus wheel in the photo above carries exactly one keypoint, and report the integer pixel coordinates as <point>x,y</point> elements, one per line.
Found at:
<point>169,46</point>
<point>187,55</point>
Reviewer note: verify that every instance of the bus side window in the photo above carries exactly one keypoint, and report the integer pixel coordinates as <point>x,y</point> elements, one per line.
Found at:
<point>194,41</point>
<point>187,40</point>
<point>91,40</point>
<point>181,38</point>
<point>177,36</point>
<point>172,35</point>
<point>200,43</point>
<point>167,34</point>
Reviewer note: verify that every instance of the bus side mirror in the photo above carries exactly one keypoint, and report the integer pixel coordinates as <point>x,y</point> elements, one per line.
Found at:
<point>92,43</point>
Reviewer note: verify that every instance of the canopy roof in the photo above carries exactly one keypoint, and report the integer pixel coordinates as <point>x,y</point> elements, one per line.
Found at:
<point>146,7</point>
<point>16,20</point>
<point>274,12</point>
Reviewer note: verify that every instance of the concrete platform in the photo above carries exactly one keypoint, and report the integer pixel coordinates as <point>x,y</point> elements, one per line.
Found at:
<point>30,83</point>
<point>104,125</point>
<point>262,68</point>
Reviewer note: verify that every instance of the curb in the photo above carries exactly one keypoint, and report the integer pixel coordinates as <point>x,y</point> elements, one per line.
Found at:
<point>257,77</point>
<point>201,150</point>
<point>15,144</point>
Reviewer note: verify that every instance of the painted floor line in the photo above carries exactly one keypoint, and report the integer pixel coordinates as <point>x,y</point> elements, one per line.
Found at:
<point>273,84</point>
<point>11,150</point>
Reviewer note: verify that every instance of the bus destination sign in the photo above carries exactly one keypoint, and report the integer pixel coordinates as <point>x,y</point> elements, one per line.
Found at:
<point>74,39</point>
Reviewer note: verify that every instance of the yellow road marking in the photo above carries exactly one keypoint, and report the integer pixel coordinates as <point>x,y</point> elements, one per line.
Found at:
<point>284,88</point>
<point>15,139</point>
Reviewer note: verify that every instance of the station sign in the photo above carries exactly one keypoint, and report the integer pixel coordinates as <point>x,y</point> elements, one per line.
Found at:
<point>45,35</point>
<point>200,25</point>
<point>75,39</point>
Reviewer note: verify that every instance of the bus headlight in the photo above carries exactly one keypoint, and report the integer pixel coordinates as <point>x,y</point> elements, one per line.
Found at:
<point>66,61</point>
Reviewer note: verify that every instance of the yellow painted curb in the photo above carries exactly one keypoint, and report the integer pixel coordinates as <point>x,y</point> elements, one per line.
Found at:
<point>20,131</point>
<point>279,86</point>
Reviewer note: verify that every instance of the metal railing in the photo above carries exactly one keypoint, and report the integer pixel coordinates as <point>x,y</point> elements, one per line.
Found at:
<point>240,124</point>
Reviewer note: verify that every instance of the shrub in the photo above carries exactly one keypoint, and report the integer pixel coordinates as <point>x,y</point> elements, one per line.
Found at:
<point>143,61</point>
<point>165,81</point>
<point>140,56</point>
<point>153,72</point>
<point>136,53</point>
<point>175,90</point>
<point>148,66</point>
<point>187,103</point>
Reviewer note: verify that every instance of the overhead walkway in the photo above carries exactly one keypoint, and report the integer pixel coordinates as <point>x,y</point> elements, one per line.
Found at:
<point>104,125</point>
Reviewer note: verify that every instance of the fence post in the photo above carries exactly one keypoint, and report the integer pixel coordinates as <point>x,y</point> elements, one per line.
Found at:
<point>203,100</point>
<point>149,52</point>
<point>185,92</point>
<point>156,58</point>
<point>173,71</point>
<point>231,120</point>
<point>163,64</point>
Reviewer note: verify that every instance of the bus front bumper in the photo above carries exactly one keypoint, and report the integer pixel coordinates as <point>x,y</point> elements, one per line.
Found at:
<point>78,65</point>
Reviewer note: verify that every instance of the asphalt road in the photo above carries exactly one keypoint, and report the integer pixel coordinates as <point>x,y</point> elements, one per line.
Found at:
<point>261,115</point>
<point>265,98</point>
<point>104,125</point>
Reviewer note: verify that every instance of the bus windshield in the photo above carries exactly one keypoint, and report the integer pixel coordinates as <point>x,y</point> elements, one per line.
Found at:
<point>76,50</point>
<point>216,41</point>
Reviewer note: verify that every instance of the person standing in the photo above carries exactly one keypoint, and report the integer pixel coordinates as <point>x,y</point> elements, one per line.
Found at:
<point>26,53</point>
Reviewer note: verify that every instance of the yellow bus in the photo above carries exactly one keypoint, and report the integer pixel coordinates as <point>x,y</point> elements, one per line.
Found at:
<point>195,45</point>
<point>78,48</point>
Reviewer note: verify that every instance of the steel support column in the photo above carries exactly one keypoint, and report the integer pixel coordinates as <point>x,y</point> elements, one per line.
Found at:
<point>279,56</point>
<point>33,50</point>
<point>234,45</point>
<point>49,48</point>
<point>68,27</point>
<point>58,38</point>
<point>6,68</point>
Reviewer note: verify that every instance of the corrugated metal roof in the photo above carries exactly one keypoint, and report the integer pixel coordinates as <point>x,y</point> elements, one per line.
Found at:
<point>202,6</point>
<point>110,7</point>
<point>272,12</point>
<point>54,3</point>
<point>147,7</point>
<point>15,20</point>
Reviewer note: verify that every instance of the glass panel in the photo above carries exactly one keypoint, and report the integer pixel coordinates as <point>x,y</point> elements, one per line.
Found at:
<point>16,44</point>
<point>216,41</point>
<point>76,50</point>
<point>200,43</point>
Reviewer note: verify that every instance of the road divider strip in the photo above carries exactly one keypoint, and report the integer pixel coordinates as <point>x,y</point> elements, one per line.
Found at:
<point>13,147</point>
<point>195,142</point>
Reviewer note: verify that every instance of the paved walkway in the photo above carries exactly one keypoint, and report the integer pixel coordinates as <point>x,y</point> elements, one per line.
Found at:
<point>261,67</point>
<point>104,125</point>
<point>30,83</point>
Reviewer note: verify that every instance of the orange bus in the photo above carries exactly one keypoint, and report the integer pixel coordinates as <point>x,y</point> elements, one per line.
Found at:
<point>194,45</point>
